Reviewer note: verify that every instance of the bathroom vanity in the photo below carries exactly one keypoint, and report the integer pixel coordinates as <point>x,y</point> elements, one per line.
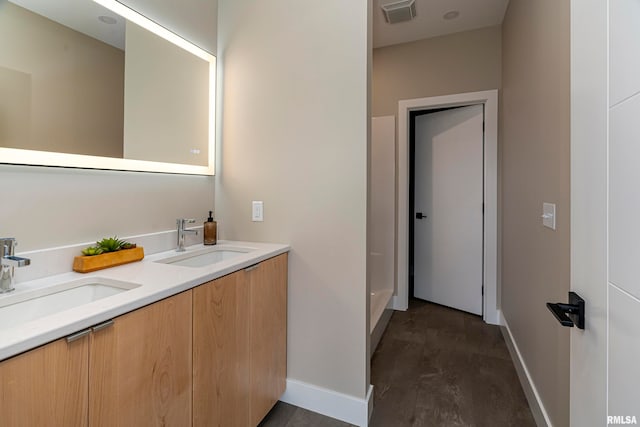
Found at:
<point>190,346</point>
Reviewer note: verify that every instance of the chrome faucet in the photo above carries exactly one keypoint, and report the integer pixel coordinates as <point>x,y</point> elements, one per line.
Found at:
<point>181,230</point>
<point>9,262</point>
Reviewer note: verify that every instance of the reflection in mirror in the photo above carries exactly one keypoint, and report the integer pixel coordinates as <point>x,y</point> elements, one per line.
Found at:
<point>81,86</point>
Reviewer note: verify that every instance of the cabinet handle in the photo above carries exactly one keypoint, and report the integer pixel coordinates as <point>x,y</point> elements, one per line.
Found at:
<point>252,267</point>
<point>102,325</point>
<point>74,337</point>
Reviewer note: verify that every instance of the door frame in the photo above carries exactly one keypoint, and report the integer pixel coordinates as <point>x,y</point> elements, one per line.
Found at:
<point>489,99</point>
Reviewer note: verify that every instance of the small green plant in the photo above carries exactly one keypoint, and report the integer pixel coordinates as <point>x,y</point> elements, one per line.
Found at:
<point>108,244</point>
<point>92,250</point>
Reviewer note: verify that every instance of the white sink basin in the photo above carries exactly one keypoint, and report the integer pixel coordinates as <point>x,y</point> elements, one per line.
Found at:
<point>204,257</point>
<point>19,308</point>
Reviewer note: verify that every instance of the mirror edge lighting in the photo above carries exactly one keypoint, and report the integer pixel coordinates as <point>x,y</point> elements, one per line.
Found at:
<point>46,158</point>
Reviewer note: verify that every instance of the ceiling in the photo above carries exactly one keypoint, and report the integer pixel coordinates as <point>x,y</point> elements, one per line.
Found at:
<point>82,16</point>
<point>429,21</point>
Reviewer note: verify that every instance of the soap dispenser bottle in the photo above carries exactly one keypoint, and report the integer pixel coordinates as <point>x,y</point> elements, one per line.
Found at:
<point>210,231</point>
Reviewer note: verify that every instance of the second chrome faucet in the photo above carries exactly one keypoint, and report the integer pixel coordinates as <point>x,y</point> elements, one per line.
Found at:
<point>181,222</point>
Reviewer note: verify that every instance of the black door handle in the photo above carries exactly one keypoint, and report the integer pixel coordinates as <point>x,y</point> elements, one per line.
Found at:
<point>419,215</point>
<point>571,314</point>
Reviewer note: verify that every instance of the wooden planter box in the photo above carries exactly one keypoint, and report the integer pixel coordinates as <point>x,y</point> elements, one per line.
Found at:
<point>87,264</point>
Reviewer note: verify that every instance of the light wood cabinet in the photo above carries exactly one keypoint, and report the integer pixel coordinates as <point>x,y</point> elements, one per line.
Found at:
<point>268,335</point>
<point>140,367</point>
<point>135,371</point>
<point>211,356</point>
<point>239,359</point>
<point>221,352</point>
<point>46,386</point>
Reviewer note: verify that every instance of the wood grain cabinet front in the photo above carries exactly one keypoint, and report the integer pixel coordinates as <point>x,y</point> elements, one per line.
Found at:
<point>46,386</point>
<point>267,335</point>
<point>239,343</point>
<point>132,371</point>
<point>221,352</point>
<point>140,367</point>
<point>211,356</point>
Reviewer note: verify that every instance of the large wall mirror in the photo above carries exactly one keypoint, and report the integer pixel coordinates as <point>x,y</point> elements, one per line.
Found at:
<point>93,84</point>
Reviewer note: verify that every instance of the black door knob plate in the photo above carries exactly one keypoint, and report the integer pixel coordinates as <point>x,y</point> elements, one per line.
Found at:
<point>571,314</point>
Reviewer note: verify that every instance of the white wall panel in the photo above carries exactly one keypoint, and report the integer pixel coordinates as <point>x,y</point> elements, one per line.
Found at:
<point>623,369</point>
<point>624,60</point>
<point>624,353</point>
<point>624,195</point>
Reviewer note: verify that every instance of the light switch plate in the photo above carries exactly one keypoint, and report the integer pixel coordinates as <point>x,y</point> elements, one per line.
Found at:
<point>257,211</point>
<point>549,215</point>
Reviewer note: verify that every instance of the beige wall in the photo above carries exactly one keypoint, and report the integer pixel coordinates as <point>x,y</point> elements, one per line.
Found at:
<point>75,87</point>
<point>47,207</point>
<point>455,63</point>
<point>164,125</point>
<point>15,108</point>
<point>535,169</point>
<point>294,135</point>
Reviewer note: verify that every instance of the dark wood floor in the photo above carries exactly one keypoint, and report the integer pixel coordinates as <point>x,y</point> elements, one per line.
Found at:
<point>434,367</point>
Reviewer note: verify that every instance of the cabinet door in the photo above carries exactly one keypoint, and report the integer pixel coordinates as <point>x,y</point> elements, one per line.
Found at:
<point>46,386</point>
<point>140,367</point>
<point>221,352</point>
<point>268,335</point>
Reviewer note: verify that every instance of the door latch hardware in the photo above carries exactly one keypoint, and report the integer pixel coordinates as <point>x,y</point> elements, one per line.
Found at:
<point>419,215</point>
<point>571,314</point>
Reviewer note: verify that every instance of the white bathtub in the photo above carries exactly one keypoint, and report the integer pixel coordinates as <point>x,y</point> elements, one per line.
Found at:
<point>380,316</point>
<point>379,301</point>
<point>381,240</point>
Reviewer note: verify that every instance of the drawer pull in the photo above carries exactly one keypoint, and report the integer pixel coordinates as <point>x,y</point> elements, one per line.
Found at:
<point>74,337</point>
<point>102,325</point>
<point>252,267</point>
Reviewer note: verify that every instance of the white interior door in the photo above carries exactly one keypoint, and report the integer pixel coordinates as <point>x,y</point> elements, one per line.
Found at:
<point>448,196</point>
<point>605,207</point>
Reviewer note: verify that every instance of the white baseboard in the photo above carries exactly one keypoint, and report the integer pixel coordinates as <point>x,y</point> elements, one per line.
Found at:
<point>327,402</point>
<point>398,303</point>
<point>535,403</point>
<point>493,317</point>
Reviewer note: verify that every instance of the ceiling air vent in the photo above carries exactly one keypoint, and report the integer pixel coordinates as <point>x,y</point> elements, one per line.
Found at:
<point>399,11</point>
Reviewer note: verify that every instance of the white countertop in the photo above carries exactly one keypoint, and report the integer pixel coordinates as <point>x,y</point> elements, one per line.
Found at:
<point>156,280</point>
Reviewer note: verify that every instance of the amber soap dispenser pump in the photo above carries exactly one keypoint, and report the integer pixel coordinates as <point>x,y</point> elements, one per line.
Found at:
<point>210,231</point>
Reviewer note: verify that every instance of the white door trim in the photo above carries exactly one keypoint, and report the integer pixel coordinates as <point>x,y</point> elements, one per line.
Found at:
<point>490,100</point>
